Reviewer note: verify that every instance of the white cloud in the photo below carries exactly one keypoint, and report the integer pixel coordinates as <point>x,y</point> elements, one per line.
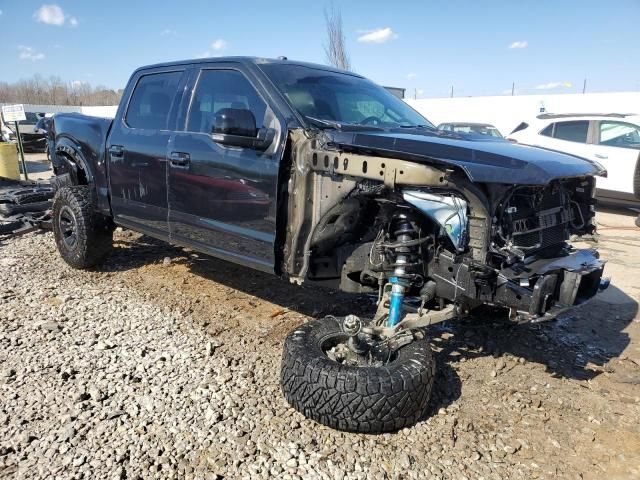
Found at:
<point>167,31</point>
<point>28,53</point>
<point>412,76</point>
<point>519,44</point>
<point>380,35</point>
<point>219,44</point>
<point>52,14</point>
<point>216,46</point>
<point>552,85</point>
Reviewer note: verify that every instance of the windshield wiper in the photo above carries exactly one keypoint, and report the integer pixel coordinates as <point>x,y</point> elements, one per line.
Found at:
<point>417,126</point>
<point>333,125</point>
<point>324,123</point>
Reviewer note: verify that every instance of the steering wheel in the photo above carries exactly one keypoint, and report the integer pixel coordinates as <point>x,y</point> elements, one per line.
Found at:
<point>372,119</point>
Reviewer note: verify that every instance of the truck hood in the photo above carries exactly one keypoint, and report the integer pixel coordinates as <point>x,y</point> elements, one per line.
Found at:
<point>484,159</point>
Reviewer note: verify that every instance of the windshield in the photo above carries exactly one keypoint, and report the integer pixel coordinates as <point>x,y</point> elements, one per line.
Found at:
<point>341,98</point>
<point>473,128</point>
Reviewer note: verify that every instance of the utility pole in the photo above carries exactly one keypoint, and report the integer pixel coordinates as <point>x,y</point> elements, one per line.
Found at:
<point>415,93</point>
<point>451,91</point>
<point>513,88</point>
<point>584,86</point>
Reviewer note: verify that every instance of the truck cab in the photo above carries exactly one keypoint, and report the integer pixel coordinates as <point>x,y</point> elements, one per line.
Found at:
<point>319,175</point>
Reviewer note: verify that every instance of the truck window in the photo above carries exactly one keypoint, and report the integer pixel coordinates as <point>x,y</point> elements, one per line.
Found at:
<point>218,89</point>
<point>575,131</point>
<point>151,101</point>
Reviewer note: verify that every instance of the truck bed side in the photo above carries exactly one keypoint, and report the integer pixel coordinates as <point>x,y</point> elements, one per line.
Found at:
<point>78,156</point>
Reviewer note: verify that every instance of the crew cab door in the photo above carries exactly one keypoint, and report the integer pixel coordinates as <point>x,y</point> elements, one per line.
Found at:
<point>137,150</point>
<point>222,198</point>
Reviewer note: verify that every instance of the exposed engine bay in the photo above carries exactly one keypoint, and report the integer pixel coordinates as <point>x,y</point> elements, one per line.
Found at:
<point>438,245</point>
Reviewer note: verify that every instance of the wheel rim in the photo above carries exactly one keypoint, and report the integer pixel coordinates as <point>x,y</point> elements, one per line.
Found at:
<point>335,347</point>
<point>68,227</point>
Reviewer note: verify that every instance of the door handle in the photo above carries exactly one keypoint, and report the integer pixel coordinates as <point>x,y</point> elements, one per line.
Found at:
<point>601,156</point>
<point>179,159</point>
<point>116,151</point>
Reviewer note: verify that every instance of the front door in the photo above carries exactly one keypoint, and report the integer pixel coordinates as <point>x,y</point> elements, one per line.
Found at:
<point>137,152</point>
<point>617,148</point>
<point>222,199</point>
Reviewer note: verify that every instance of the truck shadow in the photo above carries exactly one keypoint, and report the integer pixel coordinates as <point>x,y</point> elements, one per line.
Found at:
<point>577,345</point>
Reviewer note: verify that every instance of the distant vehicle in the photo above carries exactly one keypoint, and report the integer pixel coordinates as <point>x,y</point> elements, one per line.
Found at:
<point>32,141</point>
<point>465,127</point>
<point>43,126</point>
<point>611,140</point>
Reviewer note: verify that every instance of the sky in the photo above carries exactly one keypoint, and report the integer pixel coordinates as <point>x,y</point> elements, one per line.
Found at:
<point>427,47</point>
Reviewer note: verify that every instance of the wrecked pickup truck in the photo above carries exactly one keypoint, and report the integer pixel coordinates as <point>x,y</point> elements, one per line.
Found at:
<point>319,175</point>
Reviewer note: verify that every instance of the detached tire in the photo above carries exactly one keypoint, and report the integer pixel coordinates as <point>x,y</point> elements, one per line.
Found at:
<point>370,399</point>
<point>84,238</point>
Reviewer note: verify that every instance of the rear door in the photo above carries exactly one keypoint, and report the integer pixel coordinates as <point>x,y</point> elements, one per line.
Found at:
<point>617,148</point>
<point>567,136</point>
<point>137,150</point>
<point>222,199</point>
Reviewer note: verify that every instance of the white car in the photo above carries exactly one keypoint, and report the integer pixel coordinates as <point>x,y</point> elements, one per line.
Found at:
<point>612,140</point>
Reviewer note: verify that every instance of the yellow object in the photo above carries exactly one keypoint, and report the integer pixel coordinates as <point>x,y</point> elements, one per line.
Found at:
<point>9,161</point>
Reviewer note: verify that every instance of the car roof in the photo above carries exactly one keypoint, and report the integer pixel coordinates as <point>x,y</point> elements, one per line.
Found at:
<point>586,116</point>
<point>248,60</point>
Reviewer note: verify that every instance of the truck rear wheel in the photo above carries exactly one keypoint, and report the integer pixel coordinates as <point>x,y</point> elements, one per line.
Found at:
<point>84,238</point>
<point>363,398</point>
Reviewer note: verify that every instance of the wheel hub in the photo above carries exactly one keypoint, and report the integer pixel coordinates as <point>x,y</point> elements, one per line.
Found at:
<point>68,227</point>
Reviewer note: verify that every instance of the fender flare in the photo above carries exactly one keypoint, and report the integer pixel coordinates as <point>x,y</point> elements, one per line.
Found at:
<point>70,160</point>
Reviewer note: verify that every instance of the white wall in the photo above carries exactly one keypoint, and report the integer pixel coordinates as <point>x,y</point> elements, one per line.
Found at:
<point>506,112</point>
<point>108,111</point>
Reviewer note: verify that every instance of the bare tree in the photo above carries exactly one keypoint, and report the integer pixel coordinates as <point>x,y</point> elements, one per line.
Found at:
<point>335,49</point>
<point>53,91</point>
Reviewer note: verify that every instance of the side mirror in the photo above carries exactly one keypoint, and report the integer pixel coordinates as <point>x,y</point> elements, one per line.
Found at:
<point>235,121</point>
<point>237,127</point>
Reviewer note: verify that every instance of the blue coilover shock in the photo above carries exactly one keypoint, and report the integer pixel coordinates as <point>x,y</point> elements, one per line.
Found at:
<point>405,257</point>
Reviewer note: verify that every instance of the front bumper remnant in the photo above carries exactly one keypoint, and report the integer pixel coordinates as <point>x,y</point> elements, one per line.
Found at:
<point>545,287</point>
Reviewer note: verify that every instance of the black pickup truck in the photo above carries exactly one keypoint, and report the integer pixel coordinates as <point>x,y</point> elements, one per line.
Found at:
<point>319,175</point>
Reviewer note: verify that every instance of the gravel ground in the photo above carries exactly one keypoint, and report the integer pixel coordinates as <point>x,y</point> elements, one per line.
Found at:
<point>165,364</point>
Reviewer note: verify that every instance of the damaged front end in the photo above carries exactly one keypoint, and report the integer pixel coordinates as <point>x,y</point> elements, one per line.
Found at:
<point>431,243</point>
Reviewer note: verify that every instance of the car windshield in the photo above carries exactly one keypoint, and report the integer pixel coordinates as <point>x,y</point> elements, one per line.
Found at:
<point>31,118</point>
<point>479,129</point>
<point>341,98</point>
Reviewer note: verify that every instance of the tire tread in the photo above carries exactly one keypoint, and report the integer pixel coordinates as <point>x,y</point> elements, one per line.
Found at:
<point>95,232</point>
<point>356,399</point>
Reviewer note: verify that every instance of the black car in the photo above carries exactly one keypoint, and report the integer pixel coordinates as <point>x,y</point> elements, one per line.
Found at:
<point>42,127</point>
<point>319,175</point>
<point>33,139</point>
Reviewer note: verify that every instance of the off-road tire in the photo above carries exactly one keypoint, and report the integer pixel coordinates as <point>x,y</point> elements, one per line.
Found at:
<point>372,399</point>
<point>93,232</point>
